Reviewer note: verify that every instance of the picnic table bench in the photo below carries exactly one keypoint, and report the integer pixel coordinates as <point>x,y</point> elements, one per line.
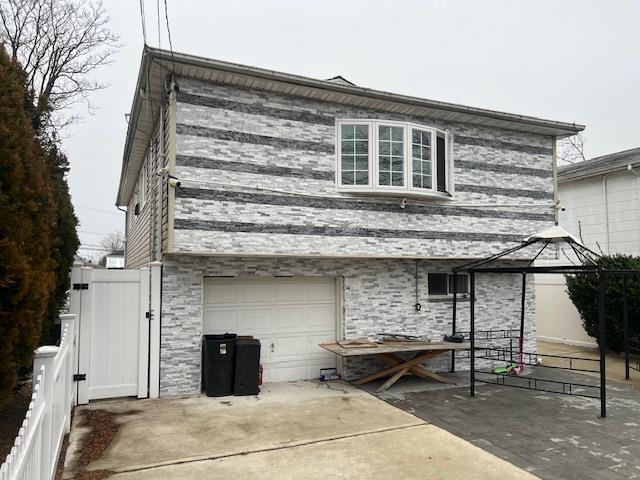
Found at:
<point>388,351</point>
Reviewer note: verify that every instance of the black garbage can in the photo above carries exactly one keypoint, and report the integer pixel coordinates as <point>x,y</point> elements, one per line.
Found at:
<point>218,360</point>
<point>247,366</point>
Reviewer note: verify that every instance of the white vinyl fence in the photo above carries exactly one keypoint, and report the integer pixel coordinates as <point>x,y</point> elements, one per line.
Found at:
<point>34,455</point>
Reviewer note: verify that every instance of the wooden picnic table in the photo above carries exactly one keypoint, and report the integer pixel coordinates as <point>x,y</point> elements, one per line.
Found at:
<point>388,350</point>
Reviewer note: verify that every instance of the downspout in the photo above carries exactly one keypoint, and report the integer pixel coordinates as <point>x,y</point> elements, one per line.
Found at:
<point>630,168</point>
<point>126,231</point>
<point>556,200</point>
<point>606,212</point>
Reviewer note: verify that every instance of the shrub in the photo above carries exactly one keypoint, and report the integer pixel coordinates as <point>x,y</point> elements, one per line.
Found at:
<point>583,292</point>
<point>26,203</point>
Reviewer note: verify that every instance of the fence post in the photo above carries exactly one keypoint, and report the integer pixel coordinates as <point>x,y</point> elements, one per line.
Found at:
<point>154,329</point>
<point>74,308</point>
<point>67,323</point>
<point>45,356</point>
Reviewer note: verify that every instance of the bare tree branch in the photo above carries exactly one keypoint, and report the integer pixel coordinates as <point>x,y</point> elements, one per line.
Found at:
<point>59,44</point>
<point>571,150</point>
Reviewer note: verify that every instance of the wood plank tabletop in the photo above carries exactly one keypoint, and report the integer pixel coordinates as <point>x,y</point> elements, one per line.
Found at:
<point>391,347</point>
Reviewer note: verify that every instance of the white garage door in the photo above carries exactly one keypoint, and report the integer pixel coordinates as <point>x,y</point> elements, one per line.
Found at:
<point>290,316</point>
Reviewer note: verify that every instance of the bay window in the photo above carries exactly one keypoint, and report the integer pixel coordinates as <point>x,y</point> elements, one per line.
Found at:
<point>392,157</point>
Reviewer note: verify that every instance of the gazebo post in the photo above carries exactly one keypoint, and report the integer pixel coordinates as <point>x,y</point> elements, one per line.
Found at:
<point>472,328</point>
<point>601,344</point>
<point>453,322</point>
<point>522,308</point>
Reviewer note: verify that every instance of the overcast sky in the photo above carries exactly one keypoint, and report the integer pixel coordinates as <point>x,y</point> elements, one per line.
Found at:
<point>575,61</point>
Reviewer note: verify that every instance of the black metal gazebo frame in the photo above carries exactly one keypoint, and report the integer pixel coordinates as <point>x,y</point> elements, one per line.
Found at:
<point>588,265</point>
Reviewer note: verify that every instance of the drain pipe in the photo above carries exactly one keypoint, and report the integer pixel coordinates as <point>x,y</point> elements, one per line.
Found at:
<point>630,168</point>
<point>606,212</point>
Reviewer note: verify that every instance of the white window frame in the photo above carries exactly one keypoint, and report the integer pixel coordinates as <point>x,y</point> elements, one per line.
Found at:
<point>142,181</point>
<point>408,189</point>
<point>352,188</point>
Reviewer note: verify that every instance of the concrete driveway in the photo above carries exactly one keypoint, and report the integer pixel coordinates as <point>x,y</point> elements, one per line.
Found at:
<point>290,431</point>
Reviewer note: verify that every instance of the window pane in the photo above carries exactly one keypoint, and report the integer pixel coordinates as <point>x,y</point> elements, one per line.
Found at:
<point>421,159</point>
<point>347,178</point>
<point>442,164</point>
<point>362,162</point>
<point>362,147</point>
<point>347,146</point>
<point>391,156</point>
<point>354,154</point>
<point>362,178</point>
<point>347,162</point>
<point>463,283</point>
<point>384,133</point>
<point>362,132</point>
<point>347,132</point>
<point>437,283</point>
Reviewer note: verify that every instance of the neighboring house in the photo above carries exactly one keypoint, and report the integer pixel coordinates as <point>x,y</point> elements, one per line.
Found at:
<point>301,210</point>
<point>600,204</point>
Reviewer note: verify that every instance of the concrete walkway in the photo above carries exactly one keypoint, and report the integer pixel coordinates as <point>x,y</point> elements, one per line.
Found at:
<point>299,430</point>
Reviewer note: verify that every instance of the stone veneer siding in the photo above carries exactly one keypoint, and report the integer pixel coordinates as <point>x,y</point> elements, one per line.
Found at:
<point>258,178</point>
<point>378,295</point>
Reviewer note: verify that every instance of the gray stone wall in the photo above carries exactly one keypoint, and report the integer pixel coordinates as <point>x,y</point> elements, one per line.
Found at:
<point>378,295</point>
<point>258,177</point>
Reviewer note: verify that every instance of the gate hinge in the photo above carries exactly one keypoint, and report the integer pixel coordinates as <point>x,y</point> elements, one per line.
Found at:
<point>81,286</point>
<point>79,377</point>
<point>149,315</point>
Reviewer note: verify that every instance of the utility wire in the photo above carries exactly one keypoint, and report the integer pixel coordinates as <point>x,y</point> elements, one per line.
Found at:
<point>144,25</point>
<point>166,16</point>
<point>97,210</point>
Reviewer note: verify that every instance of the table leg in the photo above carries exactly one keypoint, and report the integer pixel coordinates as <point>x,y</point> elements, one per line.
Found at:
<point>420,357</point>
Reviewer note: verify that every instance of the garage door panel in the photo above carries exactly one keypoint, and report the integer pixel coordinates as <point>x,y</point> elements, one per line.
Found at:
<point>220,321</point>
<point>288,292</point>
<point>321,291</point>
<point>255,292</point>
<point>290,347</point>
<point>216,291</point>
<point>288,319</point>
<point>312,347</point>
<point>320,317</point>
<point>254,320</point>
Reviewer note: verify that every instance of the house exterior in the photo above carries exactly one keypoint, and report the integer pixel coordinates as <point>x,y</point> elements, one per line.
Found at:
<point>301,210</point>
<point>600,200</point>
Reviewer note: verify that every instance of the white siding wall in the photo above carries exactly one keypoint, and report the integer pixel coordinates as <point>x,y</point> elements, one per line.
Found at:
<point>584,203</point>
<point>586,215</point>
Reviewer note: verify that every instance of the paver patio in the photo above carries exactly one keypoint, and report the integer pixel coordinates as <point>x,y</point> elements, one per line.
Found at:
<point>552,436</point>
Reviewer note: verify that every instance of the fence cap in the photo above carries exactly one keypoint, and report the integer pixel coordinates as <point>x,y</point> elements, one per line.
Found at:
<point>67,316</point>
<point>46,351</point>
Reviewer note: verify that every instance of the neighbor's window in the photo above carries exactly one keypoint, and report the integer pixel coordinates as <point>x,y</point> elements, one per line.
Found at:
<point>392,157</point>
<point>441,284</point>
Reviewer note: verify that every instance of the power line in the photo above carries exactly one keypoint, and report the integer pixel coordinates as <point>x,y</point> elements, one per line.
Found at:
<point>158,15</point>
<point>144,26</point>
<point>97,210</point>
<point>166,16</point>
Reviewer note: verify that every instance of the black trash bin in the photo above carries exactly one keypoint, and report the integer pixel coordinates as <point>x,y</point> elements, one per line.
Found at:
<point>247,366</point>
<point>218,360</point>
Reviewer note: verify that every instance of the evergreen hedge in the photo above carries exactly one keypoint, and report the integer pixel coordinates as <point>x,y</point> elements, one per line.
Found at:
<point>583,291</point>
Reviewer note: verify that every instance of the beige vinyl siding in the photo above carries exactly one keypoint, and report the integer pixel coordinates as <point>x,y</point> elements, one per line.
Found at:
<point>147,232</point>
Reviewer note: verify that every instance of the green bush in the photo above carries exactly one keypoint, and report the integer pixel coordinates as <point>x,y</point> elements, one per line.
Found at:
<point>26,206</point>
<point>583,292</point>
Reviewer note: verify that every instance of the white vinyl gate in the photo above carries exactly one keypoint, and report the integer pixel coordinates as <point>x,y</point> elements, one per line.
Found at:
<point>113,332</point>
